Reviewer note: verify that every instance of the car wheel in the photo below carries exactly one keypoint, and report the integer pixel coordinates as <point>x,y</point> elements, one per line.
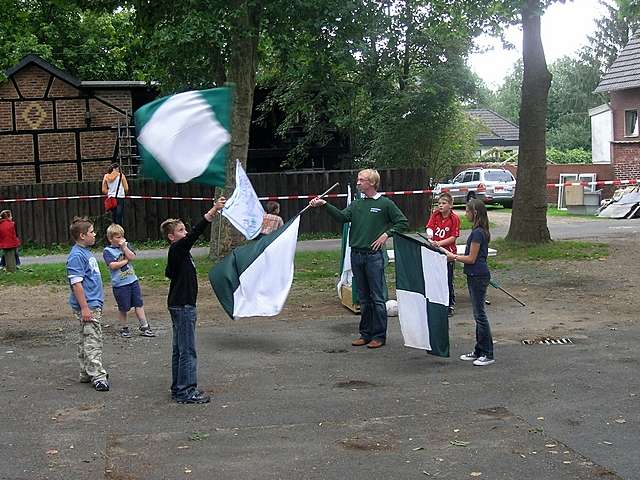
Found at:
<point>471,195</point>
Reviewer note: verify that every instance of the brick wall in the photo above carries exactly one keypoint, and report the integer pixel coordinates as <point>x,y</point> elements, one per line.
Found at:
<point>626,160</point>
<point>8,91</point>
<point>32,81</point>
<point>57,147</point>
<point>18,175</point>
<point>16,148</point>
<point>97,136</point>
<point>97,144</point>
<point>94,170</point>
<point>6,117</point>
<point>60,88</point>
<point>66,172</point>
<point>34,115</point>
<point>71,113</point>
<point>118,98</point>
<point>104,116</point>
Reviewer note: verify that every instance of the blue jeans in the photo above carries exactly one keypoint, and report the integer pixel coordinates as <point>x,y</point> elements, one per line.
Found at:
<point>452,294</point>
<point>184,360</point>
<point>117,214</point>
<point>368,270</point>
<point>478,292</point>
<point>3,262</point>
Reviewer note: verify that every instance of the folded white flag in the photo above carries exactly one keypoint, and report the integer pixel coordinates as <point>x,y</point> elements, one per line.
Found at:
<point>243,209</point>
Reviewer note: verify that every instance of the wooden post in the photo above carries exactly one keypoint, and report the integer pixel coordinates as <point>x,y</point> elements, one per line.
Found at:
<point>10,259</point>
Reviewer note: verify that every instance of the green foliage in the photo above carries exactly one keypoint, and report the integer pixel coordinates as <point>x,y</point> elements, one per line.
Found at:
<point>570,98</point>
<point>612,32</point>
<point>392,78</point>
<point>574,155</point>
<point>573,132</point>
<point>506,101</point>
<point>89,44</point>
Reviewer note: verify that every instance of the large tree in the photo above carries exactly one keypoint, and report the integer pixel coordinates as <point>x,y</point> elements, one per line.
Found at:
<point>206,43</point>
<point>529,215</point>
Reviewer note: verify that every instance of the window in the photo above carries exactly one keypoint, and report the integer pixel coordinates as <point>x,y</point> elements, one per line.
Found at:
<point>631,123</point>
<point>468,176</point>
<point>476,177</point>
<point>498,176</point>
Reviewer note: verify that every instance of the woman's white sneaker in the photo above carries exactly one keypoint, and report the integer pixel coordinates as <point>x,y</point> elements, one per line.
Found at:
<point>482,361</point>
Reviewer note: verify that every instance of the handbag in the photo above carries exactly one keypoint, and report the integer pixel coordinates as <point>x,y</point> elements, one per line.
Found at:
<point>110,203</point>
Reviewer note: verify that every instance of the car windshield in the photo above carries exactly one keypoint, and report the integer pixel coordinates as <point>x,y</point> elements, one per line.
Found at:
<point>498,176</point>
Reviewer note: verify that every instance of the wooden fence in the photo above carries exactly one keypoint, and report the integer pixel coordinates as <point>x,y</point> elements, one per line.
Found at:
<point>47,222</point>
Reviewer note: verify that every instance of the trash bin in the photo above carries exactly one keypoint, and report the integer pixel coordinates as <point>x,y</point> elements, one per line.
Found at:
<point>592,202</point>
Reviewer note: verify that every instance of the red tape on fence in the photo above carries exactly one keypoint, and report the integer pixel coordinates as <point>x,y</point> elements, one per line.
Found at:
<point>600,183</point>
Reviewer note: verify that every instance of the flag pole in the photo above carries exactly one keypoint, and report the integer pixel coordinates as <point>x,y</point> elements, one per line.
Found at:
<point>495,285</point>
<point>219,234</point>
<point>219,227</point>
<point>320,196</point>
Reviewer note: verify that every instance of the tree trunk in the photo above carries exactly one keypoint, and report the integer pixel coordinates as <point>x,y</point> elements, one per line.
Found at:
<point>529,215</point>
<point>243,63</point>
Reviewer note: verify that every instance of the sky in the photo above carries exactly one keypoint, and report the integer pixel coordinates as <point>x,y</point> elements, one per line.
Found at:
<point>564,31</point>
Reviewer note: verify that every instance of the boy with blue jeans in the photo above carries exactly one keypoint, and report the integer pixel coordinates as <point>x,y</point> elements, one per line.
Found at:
<point>183,293</point>
<point>124,282</point>
<point>86,300</point>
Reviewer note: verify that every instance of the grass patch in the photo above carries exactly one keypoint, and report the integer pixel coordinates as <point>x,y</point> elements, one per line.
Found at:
<point>553,211</point>
<point>318,236</point>
<point>557,250</point>
<point>317,269</point>
<point>311,268</point>
<point>30,249</point>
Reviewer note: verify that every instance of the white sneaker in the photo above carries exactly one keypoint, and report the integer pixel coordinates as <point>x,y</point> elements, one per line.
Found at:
<point>482,361</point>
<point>467,357</point>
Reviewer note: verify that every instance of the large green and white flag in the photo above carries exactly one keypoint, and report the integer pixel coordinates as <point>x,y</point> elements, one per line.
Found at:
<point>185,137</point>
<point>423,295</point>
<point>254,280</point>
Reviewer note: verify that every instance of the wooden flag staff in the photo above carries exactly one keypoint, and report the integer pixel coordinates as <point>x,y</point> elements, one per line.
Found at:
<point>320,196</point>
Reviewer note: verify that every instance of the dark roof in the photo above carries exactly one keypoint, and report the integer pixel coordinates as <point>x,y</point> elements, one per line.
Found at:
<point>498,128</point>
<point>625,71</point>
<point>45,66</point>
<point>35,59</point>
<point>114,84</point>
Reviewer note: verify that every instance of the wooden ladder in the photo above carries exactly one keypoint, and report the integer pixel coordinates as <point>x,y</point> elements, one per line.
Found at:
<point>128,156</point>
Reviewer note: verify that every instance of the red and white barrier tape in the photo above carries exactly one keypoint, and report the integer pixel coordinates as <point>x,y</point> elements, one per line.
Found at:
<point>599,183</point>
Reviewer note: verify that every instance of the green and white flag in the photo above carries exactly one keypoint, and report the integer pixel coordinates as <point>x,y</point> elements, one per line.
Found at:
<point>346,274</point>
<point>185,137</point>
<point>254,280</point>
<point>423,295</point>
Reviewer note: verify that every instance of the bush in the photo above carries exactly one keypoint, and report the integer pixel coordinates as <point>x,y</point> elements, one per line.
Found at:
<point>574,155</point>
